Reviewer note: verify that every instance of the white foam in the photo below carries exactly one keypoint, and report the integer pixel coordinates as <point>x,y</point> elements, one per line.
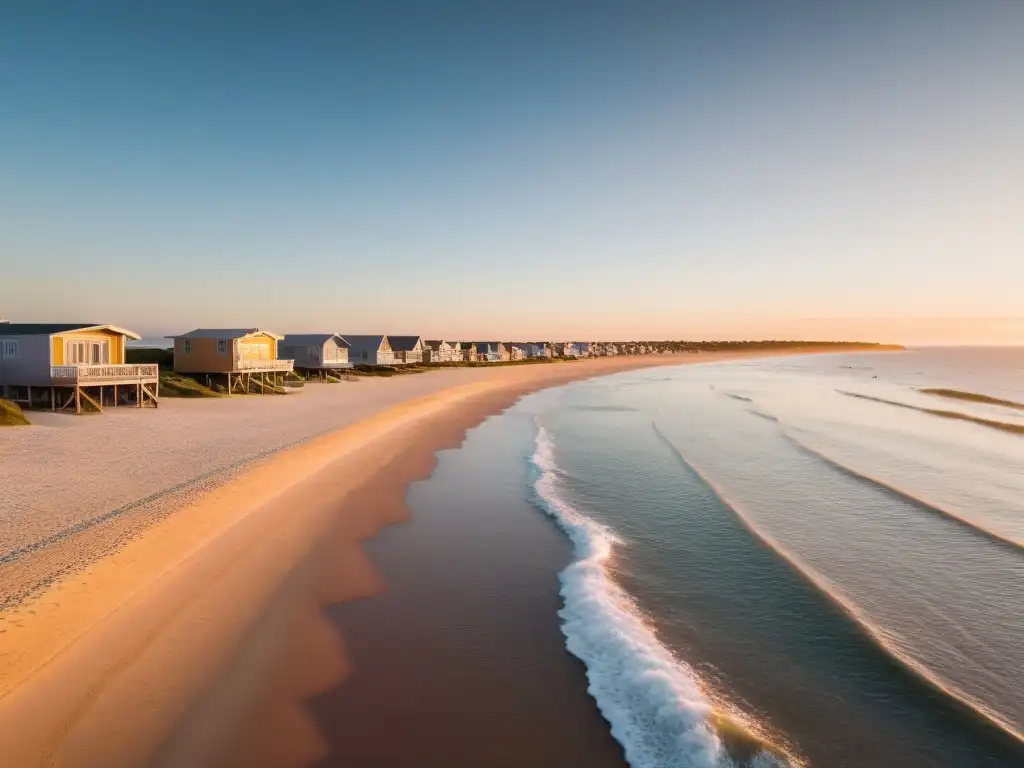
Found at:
<point>651,699</point>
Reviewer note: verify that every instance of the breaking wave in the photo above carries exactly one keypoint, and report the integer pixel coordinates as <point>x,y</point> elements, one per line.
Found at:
<point>653,701</point>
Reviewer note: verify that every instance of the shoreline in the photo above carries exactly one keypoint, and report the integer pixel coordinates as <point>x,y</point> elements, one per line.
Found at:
<point>235,575</point>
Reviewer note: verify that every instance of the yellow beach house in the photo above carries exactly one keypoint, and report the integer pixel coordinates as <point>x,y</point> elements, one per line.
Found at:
<point>72,366</point>
<point>245,359</point>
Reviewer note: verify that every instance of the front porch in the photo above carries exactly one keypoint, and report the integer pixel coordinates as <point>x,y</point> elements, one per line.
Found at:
<point>78,388</point>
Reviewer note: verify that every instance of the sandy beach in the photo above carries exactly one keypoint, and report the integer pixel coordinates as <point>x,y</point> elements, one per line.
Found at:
<point>164,573</point>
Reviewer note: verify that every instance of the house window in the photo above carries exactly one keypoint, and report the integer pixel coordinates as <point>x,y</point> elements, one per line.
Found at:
<point>255,352</point>
<point>186,346</point>
<point>222,346</point>
<point>99,353</point>
<point>10,348</point>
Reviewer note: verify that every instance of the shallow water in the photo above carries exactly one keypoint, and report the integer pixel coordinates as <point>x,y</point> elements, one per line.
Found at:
<point>753,568</point>
<point>814,558</point>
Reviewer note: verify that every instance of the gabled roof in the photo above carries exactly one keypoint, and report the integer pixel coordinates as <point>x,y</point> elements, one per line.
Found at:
<point>364,342</point>
<point>312,339</point>
<point>403,343</point>
<point>48,329</point>
<point>223,333</point>
<point>435,344</point>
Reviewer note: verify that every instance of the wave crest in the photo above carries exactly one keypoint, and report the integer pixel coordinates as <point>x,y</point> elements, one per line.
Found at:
<point>651,699</point>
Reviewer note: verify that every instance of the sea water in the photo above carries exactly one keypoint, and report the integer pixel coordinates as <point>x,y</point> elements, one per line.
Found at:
<point>802,560</point>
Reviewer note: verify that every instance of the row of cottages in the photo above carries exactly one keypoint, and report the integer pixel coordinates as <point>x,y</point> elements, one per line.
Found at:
<point>71,366</point>
<point>245,359</point>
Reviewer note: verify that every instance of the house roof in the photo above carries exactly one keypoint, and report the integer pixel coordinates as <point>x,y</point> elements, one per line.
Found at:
<point>364,342</point>
<point>435,344</point>
<point>223,333</point>
<point>48,329</point>
<point>403,343</point>
<point>312,339</point>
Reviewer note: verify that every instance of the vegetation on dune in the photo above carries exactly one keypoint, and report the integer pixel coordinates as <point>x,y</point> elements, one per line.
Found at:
<point>11,415</point>
<point>178,385</point>
<point>973,397</point>
<point>385,370</point>
<point>478,364</point>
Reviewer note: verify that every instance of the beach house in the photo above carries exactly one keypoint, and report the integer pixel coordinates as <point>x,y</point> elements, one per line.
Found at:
<point>245,359</point>
<point>463,350</point>
<point>583,349</point>
<point>440,351</point>
<point>538,349</point>
<point>72,367</point>
<point>408,349</point>
<point>514,351</point>
<point>369,350</point>
<point>315,353</point>
<point>490,351</point>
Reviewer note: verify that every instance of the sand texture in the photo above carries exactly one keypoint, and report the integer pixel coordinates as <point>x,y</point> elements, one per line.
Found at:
<point>165,571</point>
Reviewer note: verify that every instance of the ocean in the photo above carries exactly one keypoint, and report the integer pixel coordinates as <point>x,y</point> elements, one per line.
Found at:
<point>784,562</point>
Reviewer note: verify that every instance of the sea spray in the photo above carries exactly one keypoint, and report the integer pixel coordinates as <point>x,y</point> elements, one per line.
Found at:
<point>652,700</point>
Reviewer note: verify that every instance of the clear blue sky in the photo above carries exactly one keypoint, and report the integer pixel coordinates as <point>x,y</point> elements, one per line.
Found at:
<point>517,169</point>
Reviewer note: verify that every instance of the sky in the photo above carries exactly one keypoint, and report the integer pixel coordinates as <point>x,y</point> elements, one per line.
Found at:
<point>599,169</point>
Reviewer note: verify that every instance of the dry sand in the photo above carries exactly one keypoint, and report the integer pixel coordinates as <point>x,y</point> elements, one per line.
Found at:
<point>151,638</point>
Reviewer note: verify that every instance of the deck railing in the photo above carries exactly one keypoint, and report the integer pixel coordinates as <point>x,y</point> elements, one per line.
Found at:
<point>95,374</point>
<point>264,365</point>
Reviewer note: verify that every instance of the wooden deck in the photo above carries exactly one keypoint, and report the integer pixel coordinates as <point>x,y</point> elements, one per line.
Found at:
<point>97,375</point>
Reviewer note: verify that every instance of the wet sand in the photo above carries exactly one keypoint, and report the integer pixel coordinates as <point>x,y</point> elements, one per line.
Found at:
<point>462,662</point>
<point>209,623</point>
